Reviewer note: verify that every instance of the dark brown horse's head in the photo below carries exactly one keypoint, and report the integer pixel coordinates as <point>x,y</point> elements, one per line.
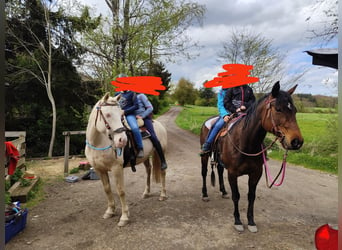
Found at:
<point>279,117</point>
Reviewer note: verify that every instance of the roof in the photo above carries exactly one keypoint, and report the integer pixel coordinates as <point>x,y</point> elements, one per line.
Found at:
<point>324,57</point>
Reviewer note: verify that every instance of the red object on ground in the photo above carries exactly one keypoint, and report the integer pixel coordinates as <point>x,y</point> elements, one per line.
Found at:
<point>326,238</point>
<point>13,154</point>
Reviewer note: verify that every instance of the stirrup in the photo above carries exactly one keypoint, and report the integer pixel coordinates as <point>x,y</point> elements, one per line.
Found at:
<point>204,152</point>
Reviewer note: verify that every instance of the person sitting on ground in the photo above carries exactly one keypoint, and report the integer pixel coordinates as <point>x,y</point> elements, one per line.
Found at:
<point>145,112</point>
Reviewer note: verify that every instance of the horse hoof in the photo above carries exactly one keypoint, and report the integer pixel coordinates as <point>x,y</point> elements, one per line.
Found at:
<point>162,198</point>
<point>225,196</point>
<point>123,223</point>
<point>145,195</point>
<point>239,228</point>
<point>252,229</point>
<point>107,216</point>
<point>206,199</point>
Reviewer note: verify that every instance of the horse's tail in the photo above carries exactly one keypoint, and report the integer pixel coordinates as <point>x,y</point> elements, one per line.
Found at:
<point>156,167</point>
<point>213,180</point>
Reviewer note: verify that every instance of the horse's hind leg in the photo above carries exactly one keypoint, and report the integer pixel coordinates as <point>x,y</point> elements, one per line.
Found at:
<point>148,179</point>
<point>163,195</point>
<point>119,183</point>
<point>204,162</point>
<point>235,197</point>
<point>220,169</point>
<point>110,198</point>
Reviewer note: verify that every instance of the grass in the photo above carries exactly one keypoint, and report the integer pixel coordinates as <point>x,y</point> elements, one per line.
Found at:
<point>192,117</point>
<point>318,129</point>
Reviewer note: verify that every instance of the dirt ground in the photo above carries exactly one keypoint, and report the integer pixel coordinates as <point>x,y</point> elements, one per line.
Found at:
<point>70,217</point>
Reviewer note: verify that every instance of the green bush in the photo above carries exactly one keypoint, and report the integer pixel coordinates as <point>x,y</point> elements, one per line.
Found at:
<point>74,170</point>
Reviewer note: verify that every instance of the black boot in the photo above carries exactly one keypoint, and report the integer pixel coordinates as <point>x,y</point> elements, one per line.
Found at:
<point>160,152</point>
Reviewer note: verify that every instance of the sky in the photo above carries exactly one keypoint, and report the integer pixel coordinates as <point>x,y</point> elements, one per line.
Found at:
<point>284,22</point>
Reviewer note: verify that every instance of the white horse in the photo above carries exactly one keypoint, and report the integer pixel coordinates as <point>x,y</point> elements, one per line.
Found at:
<point>105,141</point>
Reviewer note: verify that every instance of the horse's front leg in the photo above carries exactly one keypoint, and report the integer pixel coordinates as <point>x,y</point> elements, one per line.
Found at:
<point>220,169</point>
<point>204,162</point>
<point>148,179</point>
<point>119,183</point>
<point>235,197</point>
<point>252,184</point>
<point>110,198</point>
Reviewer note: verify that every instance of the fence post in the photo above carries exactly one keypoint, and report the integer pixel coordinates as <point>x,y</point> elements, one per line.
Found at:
<point>66,152</point>
<point>67,147</point>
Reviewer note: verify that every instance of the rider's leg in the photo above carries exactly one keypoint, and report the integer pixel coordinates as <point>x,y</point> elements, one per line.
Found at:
<point>155,142</point>
<point>212,134</point>
<point>132,122</point>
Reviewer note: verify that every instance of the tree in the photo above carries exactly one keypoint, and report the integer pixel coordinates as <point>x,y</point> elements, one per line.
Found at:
<point>327,29</point>
<point>38,35</point>
<point>138,34</point>
<point>158,69</point>
<point>247,48</point>
<point>185,93</point>
<point>34,66</point>
<point>207,97</point>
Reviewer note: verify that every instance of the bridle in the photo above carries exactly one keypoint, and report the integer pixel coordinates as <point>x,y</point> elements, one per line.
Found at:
<point>275,129</point>
<point>99,112</point>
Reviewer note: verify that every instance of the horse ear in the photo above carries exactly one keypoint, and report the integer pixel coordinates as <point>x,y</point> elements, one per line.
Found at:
<point>117,97</point>
<point>291,90</point>
<point>105,97</point>
<point>275,89</point>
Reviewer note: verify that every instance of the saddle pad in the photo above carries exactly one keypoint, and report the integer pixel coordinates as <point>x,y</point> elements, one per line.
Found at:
<point>140,123</point>
<point>210,122</point>
<point>233,122</point>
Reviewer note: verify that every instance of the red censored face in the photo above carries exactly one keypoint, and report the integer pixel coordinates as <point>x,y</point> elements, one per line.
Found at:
<point>235,75</point>
<point>141,84</point>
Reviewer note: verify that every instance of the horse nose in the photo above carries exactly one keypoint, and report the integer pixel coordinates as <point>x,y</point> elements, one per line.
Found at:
<point>296,143</point>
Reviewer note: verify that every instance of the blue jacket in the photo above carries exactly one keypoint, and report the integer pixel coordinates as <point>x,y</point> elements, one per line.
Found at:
<point>145,106</point>
<point>220,103</point>
<point>128,102</point>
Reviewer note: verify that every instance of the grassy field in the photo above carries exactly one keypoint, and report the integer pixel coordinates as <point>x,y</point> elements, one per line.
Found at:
<point>318,129</point>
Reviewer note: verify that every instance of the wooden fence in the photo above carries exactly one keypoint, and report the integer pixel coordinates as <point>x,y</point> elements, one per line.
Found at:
<point>67,147</point>
<point>20,144</point>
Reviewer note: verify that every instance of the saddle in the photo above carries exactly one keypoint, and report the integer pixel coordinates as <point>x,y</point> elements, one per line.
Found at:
<point>144,132</point>
<point>130,150</point>
<point>227,128</point>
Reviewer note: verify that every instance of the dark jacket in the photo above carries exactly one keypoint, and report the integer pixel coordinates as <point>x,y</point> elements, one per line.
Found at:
<point>237,96</point>
<point>128,102</point>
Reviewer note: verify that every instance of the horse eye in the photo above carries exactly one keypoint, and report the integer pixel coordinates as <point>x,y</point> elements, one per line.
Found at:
<point>278,109</point>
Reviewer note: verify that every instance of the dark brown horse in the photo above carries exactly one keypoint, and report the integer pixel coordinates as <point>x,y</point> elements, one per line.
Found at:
<point>239,151</point>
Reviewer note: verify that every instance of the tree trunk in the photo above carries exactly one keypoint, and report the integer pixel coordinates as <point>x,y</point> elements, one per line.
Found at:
<point>48,86</point>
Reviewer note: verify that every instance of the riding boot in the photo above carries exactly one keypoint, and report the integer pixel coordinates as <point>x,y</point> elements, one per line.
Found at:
<point>160,152</point>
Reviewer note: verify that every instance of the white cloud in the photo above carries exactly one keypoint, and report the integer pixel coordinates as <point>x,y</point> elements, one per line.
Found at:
<point>283,21</point>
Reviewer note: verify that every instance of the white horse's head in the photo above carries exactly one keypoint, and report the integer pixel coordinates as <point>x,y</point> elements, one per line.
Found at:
<point>108,120</point>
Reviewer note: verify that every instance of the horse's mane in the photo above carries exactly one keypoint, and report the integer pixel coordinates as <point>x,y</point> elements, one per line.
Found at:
<point>251,111</point>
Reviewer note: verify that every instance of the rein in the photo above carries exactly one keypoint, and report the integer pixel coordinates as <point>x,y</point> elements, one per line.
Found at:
<point>279,135</point>
<point>268,174</point>
<point>275,131</point>
<point>95,148</point>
